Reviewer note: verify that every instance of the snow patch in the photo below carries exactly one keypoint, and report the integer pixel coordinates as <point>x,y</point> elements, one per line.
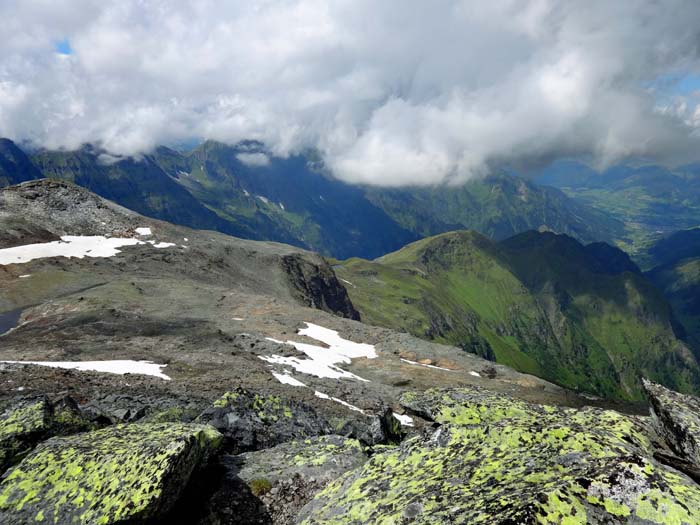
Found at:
<point>144,231</point>
<point>475,374</point>
<point>161,244</point>
<point>121,367</point>
<point>406,421</point>
<point>71,246</point>
<point>281,206</point>
<point>348,282</point>
<point>322,361</point>
<point>287,379</point>
<point>25,276</point>
<point>264,199</point>
<point>427,366</point>
<point>344,403</point>
<point>238,319</point>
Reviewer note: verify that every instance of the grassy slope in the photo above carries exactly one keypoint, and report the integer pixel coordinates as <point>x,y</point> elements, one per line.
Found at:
<point>498,206</point>
<point>525,308</point>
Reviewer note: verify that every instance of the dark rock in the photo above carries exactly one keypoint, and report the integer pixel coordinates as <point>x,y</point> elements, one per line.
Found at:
<point>317,286</point>
<point>252,421</point>
<point>677,420</point>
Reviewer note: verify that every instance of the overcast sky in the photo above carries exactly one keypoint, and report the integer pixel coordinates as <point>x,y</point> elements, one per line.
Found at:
<point>390,91</point>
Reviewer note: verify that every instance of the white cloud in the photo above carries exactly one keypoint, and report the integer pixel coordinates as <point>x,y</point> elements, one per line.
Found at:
<point>392,92</point>
<point>254,159</point>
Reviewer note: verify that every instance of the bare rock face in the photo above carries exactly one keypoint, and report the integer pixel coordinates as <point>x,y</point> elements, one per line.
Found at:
<point>677,420</point>
<point>315,284</point>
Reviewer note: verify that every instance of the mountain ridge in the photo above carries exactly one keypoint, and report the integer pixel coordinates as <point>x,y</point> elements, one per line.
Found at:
<point>295,201</point>
<point>582,316</point>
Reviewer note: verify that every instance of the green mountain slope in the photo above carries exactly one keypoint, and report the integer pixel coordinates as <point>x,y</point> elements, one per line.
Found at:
<point>288,200</point>
<point>539,302</point>
<point>498,206</point>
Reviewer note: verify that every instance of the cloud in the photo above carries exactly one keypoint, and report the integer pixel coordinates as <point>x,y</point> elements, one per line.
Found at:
<point>393,92</point>
<point>254,159</point>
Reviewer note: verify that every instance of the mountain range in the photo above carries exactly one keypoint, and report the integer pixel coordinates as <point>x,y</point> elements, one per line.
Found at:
<point>243,191</point>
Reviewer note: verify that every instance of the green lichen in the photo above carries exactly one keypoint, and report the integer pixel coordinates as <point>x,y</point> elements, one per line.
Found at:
<point>106,476</point>
<point>496,462</point>
<point>30,418</point>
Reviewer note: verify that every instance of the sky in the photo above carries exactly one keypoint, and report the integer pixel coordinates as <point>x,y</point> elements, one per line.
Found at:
<point>389,93</point>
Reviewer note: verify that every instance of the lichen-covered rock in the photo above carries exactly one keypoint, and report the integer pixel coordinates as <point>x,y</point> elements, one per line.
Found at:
<point>251,421</point>
<point>677,420</point>
<point>29,421</point>
<point>21,427</point>
<point>117,474</point>
<point>287,476</point>
<point>494,460</point>
<point>271,486</point>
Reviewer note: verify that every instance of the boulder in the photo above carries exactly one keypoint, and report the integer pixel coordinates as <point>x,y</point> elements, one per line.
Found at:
<point>251,421</point>
<point>282,479</point>
<point>497,460</point>
<point>677,420</point>
<point>31,420</point>
<point>114,475</point>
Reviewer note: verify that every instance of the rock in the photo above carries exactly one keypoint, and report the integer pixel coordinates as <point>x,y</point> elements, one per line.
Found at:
<point>677,420</point>
<point>286,477</point>
<point>376,429</point>
<point>117,474</point>
<point>251,421</point>
<point>271,486</point>
<point>32,420</point>
<point>496,460</point>
<point>314,283</point>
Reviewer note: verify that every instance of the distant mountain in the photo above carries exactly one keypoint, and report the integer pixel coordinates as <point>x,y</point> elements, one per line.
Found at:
<point>650,200</point>
<point>15,165</point>
<point>243,191</point>
<point>582,316</point>
<point>677,273</point>
<point>498,206</point>
<point>679,245</point>
<point>289,200</point>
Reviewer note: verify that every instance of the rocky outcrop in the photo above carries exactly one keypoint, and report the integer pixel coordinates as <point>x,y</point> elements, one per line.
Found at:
<point>282,479</point>
<point>497,460</point>
<point>250,421</point>
<point>317,286</point>
<point>677,420</point>
<point>119,474</point>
